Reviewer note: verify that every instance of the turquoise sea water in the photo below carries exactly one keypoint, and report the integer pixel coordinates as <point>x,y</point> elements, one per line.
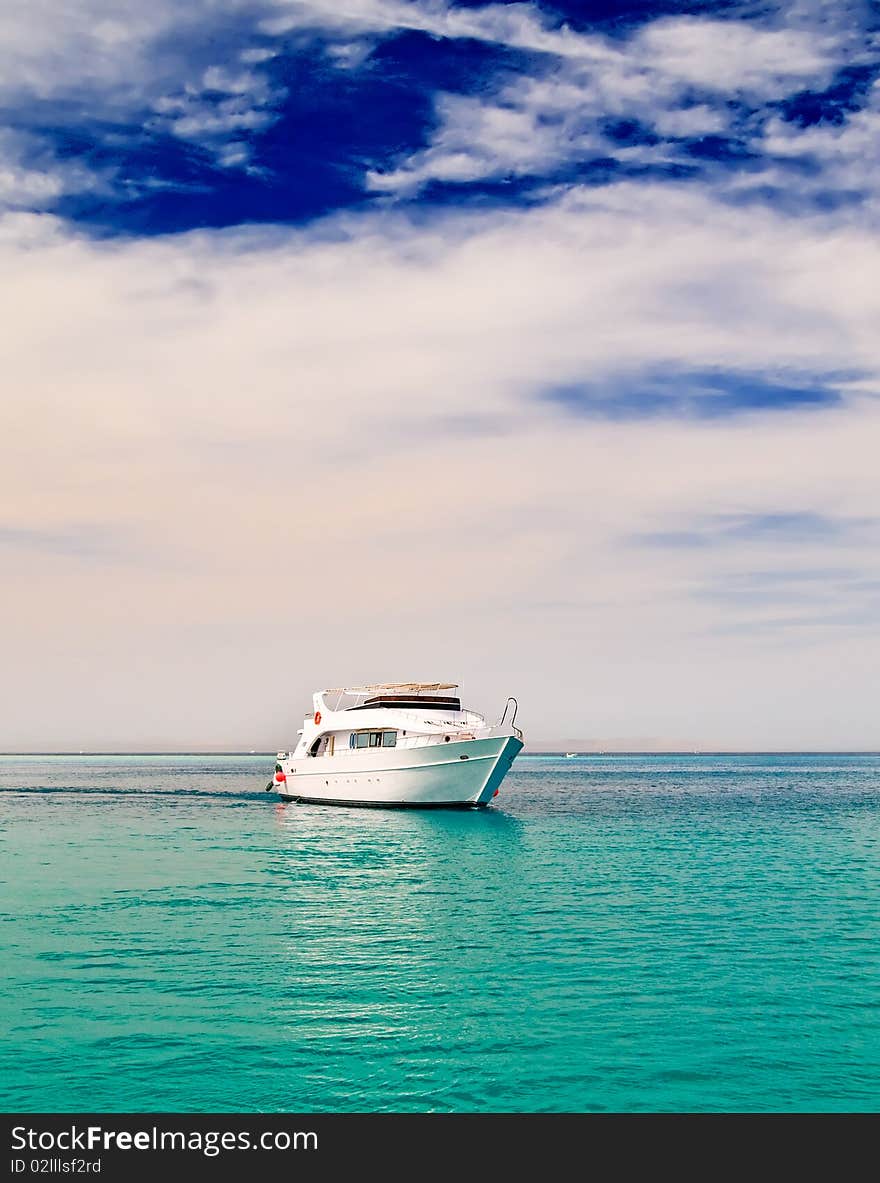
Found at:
<point>620,933</point>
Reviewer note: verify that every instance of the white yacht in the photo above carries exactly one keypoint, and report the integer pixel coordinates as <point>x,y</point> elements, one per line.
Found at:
<point>397,744</point>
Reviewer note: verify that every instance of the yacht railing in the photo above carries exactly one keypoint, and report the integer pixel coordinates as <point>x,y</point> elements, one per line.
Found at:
<point>516,731</point>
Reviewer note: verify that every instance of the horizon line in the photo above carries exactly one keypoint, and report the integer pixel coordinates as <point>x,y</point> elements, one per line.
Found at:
<point>710,751</point>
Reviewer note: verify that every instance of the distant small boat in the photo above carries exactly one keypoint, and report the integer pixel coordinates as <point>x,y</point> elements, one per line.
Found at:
<point>570,755</point>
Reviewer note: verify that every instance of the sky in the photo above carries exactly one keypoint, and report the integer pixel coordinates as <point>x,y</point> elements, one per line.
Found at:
<point>532,346</point>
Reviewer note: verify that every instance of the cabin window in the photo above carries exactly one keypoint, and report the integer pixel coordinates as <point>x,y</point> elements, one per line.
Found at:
<point>372,739</point>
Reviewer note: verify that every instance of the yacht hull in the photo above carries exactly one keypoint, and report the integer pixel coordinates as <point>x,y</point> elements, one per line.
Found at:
<point>460,774</point>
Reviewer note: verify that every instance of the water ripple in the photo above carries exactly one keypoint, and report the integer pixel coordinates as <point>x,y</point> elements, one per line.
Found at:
<point>620,934</point>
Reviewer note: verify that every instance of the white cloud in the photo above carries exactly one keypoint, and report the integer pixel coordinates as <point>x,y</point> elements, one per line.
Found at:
<point>698,120</point>
<point>107,60</point>
<point>32,177</point>
<point>234,154</point>
<point>254,57</point>
<point>115,61</point>
<point>51,50</point>
<point>520,25</point>
<point>847,152</point>
<point>233,82</point>
<point>737,57</point>
<point>478,140</point>
<point>303,457</point>
<point>200,121</point>
<point>533,122</point>
<point>276,423</point>
<point>195,113</point>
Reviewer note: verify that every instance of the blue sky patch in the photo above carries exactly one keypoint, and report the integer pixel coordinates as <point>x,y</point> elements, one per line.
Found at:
<point>777,527</point>
<point>690,394</point>
<point>848,93</point>
<point>231,119</point>
<point>74,542</point>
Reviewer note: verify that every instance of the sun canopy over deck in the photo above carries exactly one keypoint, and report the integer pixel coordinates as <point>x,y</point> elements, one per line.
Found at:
<point>401,695</point>
<point>395,688</point>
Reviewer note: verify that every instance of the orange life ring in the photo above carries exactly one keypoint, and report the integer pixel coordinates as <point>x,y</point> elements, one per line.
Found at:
<point>317,717</point>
